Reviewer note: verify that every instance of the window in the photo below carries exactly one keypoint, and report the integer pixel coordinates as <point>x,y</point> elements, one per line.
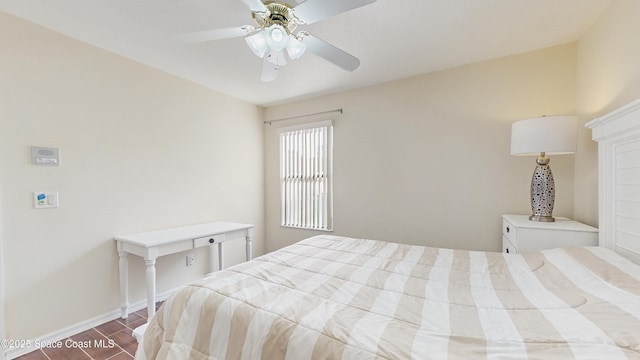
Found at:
<point>306,176</point>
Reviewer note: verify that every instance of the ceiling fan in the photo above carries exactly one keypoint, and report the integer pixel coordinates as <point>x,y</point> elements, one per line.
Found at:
<point>273,35</point>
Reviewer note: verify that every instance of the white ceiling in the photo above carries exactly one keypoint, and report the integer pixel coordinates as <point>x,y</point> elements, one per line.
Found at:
<point>393,39</point>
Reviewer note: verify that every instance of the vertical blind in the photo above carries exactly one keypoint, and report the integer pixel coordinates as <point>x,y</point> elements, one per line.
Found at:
<point>306,176</point>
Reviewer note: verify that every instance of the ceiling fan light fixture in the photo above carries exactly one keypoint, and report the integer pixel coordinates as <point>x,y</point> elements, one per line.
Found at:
<point>277,37</point>
<point>295,48</point>
<point>257,43</point>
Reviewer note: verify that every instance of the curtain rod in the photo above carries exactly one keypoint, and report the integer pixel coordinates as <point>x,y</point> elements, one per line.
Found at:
<point>299,116</point>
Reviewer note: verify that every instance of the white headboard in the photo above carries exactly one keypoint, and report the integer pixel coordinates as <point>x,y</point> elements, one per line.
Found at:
<point>618,137</point>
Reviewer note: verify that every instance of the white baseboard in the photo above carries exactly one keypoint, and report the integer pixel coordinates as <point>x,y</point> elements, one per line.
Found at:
<point>64,333</point>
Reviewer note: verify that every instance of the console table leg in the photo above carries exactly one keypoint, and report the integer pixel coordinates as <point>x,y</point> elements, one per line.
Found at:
<point>151,287</point>
<point>220,263</point>
<point>123,264</point>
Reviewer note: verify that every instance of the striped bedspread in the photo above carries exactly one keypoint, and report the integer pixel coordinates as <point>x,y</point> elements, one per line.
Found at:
<point>330,297</point>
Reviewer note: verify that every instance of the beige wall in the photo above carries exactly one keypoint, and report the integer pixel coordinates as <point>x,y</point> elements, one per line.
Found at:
<point>608,77</point>
<point>140,150</point>
<point>426,160</point>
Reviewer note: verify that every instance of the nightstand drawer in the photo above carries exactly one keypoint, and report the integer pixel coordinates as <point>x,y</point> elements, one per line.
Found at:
<point>509,232</point>
<point>508,247</point>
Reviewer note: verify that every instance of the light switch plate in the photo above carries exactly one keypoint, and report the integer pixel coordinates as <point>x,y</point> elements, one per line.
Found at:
<point>45,200</point>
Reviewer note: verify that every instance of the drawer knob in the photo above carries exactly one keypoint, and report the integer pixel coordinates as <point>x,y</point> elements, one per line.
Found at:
<point>508,229</point>
<point>507,250</point>
<point>212,240</point>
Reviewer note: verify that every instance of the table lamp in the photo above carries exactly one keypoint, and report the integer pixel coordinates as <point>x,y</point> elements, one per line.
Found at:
<point>541,137</point>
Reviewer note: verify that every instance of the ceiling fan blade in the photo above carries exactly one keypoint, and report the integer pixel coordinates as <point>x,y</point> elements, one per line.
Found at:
<point>311,11</point>
<point>331,53</point>
<point>255,5</point>
<point>216,34</point>
<point>269,70</point>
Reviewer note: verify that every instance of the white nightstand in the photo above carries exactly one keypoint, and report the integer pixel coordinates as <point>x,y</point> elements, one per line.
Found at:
<point>519,234</point>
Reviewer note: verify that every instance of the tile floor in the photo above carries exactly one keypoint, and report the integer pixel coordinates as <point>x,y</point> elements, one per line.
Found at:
<point>112,341</point>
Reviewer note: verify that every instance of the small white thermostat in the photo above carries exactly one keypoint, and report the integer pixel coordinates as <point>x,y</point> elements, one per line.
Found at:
<point>45,156</point>
<point>45,200</point>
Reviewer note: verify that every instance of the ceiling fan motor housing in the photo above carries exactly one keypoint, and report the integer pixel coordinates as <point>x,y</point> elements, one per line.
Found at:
<point>278,14</point>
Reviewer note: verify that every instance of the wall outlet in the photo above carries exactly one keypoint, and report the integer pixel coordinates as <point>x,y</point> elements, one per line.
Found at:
<point>191,259</point>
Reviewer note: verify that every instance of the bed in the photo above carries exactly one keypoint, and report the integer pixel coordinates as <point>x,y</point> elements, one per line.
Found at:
<point>331,297</point>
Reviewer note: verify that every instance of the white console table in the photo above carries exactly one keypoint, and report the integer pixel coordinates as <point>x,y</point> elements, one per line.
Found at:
<point>153,244</point>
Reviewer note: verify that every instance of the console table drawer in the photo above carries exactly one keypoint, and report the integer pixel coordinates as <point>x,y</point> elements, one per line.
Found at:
<point>207,240</point>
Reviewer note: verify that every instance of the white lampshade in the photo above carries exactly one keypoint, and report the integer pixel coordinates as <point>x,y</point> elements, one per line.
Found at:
<point>257,43</point>
<point>553,135</point>
<point>295,48</point>
<point>276,57</point>
<point>277,37</point>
